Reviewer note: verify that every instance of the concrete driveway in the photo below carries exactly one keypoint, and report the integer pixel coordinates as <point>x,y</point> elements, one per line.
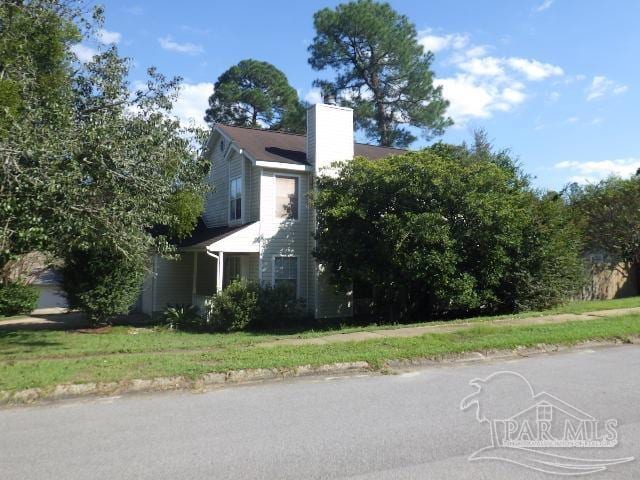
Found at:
<point>367,427</point>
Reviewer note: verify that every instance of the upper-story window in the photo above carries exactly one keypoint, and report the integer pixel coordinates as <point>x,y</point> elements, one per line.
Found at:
<point>235,199</point>
<point>222,145</point>
<point>287,196</point>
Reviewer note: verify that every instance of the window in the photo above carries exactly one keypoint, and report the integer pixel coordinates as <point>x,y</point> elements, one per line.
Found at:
<point>222,145</point>
<point>231,269</point>
<point>287,197</point>
<point>235,199</point>
<point>286,272</point>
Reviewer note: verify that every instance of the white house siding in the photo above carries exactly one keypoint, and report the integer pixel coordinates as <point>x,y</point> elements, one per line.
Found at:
<point>173,281</point>
<point>253,174</point>
<point>215,209</point>
<point>145,301</point>
<point>285,238</point>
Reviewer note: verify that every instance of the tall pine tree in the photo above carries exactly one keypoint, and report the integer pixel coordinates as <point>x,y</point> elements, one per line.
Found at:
<point>382,72</point>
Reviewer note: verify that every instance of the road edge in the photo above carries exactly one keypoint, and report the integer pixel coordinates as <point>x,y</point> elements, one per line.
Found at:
<point>213,380</point>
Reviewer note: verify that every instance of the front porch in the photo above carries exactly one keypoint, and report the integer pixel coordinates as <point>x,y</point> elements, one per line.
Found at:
<point>212,272</point>
<point>206,263</point>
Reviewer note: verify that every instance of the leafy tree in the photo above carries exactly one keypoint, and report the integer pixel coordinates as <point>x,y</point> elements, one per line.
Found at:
<point>102,281</point>
<point>547,267</point>
<point>382,72</point>
<point>608,213</point>
<point>255,94</point>
<point>35,110</point>
<point>85,161</point>
<point>442,231</point>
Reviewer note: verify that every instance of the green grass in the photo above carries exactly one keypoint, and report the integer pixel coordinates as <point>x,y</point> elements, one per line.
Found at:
<point>576,307</point>
<point>46,358</point>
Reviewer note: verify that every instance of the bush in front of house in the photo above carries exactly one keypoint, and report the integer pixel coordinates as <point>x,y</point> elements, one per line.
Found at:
<point>234,308</point>
<point>279,309</point>
<point>248,306</point>
<point>448,230</point>
<point>17,298</point>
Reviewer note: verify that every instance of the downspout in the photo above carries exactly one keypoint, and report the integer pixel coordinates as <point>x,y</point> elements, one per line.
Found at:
<point>219,269</point>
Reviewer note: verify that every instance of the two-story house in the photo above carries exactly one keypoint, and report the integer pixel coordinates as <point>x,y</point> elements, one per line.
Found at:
<point>258,222</point>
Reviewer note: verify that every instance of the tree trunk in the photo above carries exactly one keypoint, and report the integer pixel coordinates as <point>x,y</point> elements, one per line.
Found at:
<point>381,122</point>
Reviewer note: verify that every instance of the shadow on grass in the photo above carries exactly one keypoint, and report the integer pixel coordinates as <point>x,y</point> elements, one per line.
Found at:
<point>69,321</point>
<point>13,342</point>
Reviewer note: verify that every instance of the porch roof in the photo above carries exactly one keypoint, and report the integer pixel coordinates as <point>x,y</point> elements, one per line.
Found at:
<point>203,236</point>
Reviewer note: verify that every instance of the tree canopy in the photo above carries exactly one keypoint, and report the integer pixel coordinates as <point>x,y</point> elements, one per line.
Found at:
<point>87,164</point>
<point>256,94</point>
<point>608,213</point>
<point>447,229</point>
<point>382,72</point>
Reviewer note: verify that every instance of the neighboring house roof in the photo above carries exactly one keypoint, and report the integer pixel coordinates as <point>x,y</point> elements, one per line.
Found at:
<point>273,146</point>
<point>203,236</point>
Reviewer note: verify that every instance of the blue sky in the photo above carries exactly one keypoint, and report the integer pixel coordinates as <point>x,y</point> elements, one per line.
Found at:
<point>553,80</point>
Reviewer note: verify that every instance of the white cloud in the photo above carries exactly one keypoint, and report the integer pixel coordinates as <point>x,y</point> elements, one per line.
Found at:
<point>436,43</point>
<point>533,69</point>
<point>602,86</point>
<point>472,97</point>
<point>105,36</point>
<point>313,96</point>
<point>543,6</point>
<point>476,51</point>
<point>83,52</point>
<point>192,101</point>
<point>482,66</point>
<point>593,171</point>
<point>481,84</point>
<point>189,48</point>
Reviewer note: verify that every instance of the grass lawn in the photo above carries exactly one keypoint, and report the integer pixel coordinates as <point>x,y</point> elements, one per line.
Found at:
<point>577,307</point>
<point>41,358</point>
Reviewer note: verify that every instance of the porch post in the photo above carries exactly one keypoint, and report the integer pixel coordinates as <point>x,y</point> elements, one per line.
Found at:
<point>220,272</point>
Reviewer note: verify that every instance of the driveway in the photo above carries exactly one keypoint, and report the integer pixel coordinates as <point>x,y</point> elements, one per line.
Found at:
<point>367,427</point>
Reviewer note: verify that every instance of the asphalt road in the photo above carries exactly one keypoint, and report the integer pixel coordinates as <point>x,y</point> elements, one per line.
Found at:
<point>367,427</point>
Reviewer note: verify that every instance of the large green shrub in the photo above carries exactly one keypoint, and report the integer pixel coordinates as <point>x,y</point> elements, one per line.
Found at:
<point>278,308</point>
<point>246,305</point>
<point>449,229</point>
<point>17,298</point>
<point>607,213</point>
<point>235,307</point>
<point>102,282</point>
